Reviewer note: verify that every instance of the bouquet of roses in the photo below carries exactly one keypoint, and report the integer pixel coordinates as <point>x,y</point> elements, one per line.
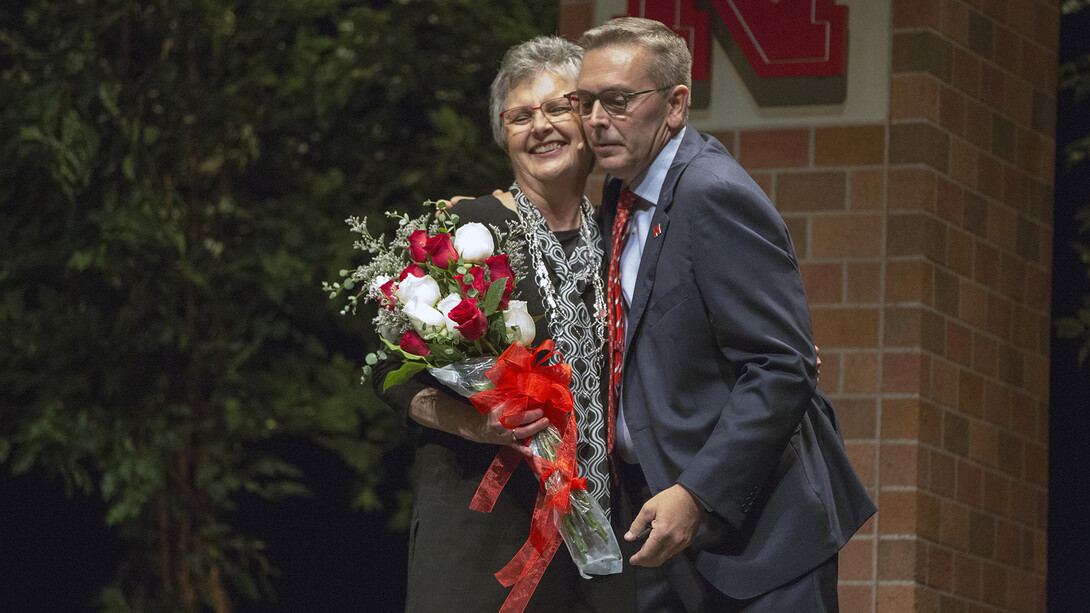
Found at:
<point>444,293</point>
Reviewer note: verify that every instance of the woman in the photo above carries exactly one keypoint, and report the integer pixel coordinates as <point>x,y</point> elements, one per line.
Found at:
<point>454,551</point>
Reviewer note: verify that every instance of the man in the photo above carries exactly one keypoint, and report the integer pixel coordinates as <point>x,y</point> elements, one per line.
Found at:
<point>734,460</point>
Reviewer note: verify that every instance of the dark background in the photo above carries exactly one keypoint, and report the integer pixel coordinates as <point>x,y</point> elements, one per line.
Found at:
<point>1069,410</point>
<point>55,552</point>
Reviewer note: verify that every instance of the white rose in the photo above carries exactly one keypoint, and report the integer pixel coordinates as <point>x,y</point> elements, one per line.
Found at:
<point>474,243</point>
<point>422,315</point>
<point>519,324</point>
<point>424,289</point>
<point>444,307</point>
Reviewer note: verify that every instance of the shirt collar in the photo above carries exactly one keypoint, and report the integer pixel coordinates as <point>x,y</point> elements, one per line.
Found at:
<point>648,184</point>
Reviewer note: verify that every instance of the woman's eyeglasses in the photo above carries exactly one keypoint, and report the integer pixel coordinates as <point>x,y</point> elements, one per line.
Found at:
<point>613,101</point>
<point>554,109</point>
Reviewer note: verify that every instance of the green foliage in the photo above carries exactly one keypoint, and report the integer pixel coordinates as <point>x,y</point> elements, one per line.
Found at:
<point>1074,82</point>
<point>1074,78</point>
<point>1073,6</point>
<point>175,180</point>
<point>1077,326</point>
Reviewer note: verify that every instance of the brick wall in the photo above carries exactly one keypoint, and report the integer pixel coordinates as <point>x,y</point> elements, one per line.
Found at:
<point>960,443</point>
<point>925,246</point>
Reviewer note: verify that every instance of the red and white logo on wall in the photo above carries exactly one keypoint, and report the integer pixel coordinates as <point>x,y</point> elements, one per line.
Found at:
<point>787,52</point>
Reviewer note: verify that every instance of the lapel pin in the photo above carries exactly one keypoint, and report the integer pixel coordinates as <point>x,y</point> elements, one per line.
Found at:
<point>657,230</point>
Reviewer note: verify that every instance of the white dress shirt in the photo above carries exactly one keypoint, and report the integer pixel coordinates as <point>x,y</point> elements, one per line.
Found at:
<point>647,186</point>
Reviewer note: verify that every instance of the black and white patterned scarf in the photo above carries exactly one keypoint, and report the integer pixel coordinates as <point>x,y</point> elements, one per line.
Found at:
<point>578,333</point>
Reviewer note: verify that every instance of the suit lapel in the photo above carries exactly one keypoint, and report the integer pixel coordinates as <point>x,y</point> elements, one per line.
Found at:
<point>645,278</point>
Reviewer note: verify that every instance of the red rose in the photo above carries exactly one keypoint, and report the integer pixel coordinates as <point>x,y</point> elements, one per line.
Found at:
<point>471,321</point>
<point>412,269</point>
<point>500,268</point>
<point>441,250</point>
<point>478,281</point>
<point>412,343</point>
<point>417,242</point>
<point>387,290</point>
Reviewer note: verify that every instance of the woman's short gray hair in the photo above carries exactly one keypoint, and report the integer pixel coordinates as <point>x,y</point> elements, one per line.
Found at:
<point>525,62</point>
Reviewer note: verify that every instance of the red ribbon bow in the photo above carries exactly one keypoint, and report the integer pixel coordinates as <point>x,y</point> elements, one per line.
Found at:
<point>523,384</point>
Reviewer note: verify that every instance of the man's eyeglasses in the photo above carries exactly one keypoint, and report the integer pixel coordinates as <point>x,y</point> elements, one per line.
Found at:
<point>613,101</point>
<point>553,109</point>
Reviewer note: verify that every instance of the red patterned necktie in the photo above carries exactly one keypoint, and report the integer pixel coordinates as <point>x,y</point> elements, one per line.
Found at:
<point>616,309</point>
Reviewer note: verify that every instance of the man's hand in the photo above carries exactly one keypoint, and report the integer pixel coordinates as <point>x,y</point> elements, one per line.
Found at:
<point>673,516</point>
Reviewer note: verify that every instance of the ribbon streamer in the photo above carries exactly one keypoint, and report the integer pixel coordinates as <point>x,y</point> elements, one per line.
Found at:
<point>524,384</point>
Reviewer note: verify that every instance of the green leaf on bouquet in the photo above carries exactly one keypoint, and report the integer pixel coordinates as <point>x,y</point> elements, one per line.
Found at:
<point>398,350</point>
<point>443,353</point>
<point>496,328</point>
<point>492,298</point>
<point>403,374</point>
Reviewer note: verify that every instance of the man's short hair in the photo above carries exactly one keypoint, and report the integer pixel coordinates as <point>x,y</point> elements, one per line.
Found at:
<point>669,61</point>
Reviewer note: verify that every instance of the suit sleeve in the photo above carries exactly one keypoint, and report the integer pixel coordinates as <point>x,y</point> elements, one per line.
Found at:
<point>398,397</point>
<point>748,280</point>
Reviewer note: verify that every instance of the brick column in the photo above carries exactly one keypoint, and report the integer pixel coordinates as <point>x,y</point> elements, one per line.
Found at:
<point>960,442</point>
